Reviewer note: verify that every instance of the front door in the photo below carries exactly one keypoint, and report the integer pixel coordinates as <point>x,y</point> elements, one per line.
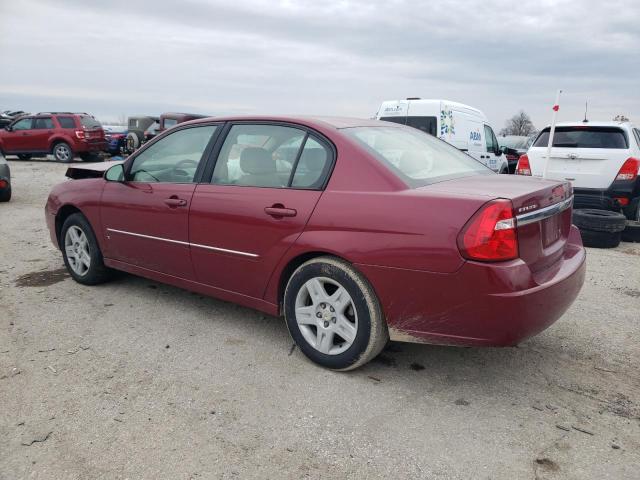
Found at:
<point>492,159</point>
<point>145,218</point>
<point>17,140</point>
<point>42,130</point>
<point>256,205</point>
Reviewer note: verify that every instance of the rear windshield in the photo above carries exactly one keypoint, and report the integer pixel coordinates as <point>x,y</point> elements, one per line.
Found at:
<point>416,158</point>
<point>426,124</point>
<point>584,137</point>
<point>513,142</point>
<point>89,122</point>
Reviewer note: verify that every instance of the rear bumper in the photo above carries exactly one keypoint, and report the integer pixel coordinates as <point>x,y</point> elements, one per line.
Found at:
<point>91,146</point>
<point>481,304</point>
<point>608,198</point>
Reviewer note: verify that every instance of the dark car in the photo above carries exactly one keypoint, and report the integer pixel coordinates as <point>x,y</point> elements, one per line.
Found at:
<point>513,146</point>
<point>115,136</point>
<point>171,119</point>
<point>373,231</point>
<point>63,134</point>
<point>5,180</point>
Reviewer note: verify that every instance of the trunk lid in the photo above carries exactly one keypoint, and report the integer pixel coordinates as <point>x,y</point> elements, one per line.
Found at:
<point>542,209</point>
<point>587,156</point>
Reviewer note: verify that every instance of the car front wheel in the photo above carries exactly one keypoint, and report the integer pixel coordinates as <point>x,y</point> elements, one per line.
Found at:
<point>81,253</point>
<point>333,314</point>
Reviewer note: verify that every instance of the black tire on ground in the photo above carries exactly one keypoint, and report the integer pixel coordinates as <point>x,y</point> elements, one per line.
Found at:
<point>371,334</point>
<point>5,195</point>
<point>97,271</point>
<point>597,239</point>
<point>599,220</point>
<point>89,157</point>
<point>24,156</point>
<point>62,152</point>
<point>632,232</point>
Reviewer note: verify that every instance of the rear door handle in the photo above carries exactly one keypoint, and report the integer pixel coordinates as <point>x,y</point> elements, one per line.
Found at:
<point>175,202</point>
<point>280,211</point>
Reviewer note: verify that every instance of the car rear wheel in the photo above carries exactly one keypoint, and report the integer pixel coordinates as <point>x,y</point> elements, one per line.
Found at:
<point>24,156</point>
<point>81,253</point>
<point>62,152</point>
<point>333,314</point>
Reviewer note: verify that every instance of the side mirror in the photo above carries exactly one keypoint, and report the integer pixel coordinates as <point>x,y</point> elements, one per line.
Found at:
<point>498,152</point>
<point>115,173</point>
<point>8,128</point>
<point>503,149</point>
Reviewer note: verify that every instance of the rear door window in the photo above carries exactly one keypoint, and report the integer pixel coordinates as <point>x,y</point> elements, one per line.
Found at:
<point>313,165</point>
<point>43,123</point>
<point>584,137</point>
<point>426,124</point>
<point>66,122</point>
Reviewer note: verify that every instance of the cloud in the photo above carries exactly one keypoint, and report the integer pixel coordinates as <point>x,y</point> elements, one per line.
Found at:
<point>333,57</point>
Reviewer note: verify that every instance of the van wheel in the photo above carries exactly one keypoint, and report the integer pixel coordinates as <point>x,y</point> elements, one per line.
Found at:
<point>333,314</point>
<point>81,253</point>
<point>62,152</point>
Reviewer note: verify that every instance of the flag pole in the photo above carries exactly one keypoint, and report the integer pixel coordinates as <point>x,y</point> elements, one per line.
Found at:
<point>556,107</point>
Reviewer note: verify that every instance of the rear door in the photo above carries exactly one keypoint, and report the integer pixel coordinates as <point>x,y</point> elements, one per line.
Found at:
<point>587,156</point>
<point>42,130</point>
<point>256,205</point>
<point>145,219</point>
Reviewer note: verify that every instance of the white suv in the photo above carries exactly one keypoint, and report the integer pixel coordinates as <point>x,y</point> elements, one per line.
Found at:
<point>600,159</point>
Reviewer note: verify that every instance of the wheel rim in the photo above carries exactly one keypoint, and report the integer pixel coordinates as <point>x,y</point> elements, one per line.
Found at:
<point>326,315</point>
<point>76,246</point>
<point>62,153</point>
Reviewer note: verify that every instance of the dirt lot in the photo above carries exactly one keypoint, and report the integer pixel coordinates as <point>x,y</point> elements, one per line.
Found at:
<point>135,379</point>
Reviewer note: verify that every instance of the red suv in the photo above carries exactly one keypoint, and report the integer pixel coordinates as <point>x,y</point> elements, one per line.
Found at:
<point>63,134</point>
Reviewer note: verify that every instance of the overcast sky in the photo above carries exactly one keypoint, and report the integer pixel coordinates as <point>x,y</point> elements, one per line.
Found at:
<point>119,57</point>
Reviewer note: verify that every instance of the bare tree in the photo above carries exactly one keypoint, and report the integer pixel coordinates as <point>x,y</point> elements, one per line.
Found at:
<point>520,124</point>
<point>620,118</point>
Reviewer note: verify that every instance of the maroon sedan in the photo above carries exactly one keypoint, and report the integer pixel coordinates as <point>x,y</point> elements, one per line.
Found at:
<point>356,231</point>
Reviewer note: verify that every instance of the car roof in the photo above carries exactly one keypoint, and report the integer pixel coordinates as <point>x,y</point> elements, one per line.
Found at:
<point>594,123</point>
<point>318,121</point>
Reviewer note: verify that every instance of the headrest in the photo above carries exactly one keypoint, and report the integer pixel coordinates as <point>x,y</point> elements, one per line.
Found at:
<point>257,161</point>
<point>314,159</point>
<point>412,161</point>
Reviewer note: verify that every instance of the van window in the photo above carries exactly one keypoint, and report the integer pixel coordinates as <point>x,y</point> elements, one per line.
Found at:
<point>416,158</point>
<point>426,124</point>
<point>490,139</point>
<point>583,136</point>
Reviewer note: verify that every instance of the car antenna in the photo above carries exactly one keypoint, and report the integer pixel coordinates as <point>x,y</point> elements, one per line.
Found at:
<point>586,106</point>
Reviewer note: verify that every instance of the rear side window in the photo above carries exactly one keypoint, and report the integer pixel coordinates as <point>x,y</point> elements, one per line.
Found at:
<point>89,122</point>
<point>426,124</point>
<point>584,137</point>
<point>66,122</point>
<point>416,158</point>
<point>43,123</point>
<point>313,165</point>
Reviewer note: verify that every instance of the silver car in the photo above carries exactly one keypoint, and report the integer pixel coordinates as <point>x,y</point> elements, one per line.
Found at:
<point>5,180</point>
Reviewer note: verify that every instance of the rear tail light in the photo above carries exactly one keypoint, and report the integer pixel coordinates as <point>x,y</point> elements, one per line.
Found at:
<point>622,201</point>
<point>490,235</point>
<point>80,134</point>
<point>629,169</point>
<point>523,167</point>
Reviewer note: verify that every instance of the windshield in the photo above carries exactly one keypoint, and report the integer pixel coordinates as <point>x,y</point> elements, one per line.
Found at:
<point>514,142</point>
<point>584,137</point>
<point>417,158</point>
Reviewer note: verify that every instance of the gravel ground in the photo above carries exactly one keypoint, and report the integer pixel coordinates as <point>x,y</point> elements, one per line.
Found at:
<point>135,379</point>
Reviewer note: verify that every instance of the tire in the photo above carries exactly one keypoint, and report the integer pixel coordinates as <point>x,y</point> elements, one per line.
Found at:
<point>24,156</point>
<point>132,142</point>
<point>62,152</point>
<point>632,232</point>
<point>596,239</point>
<point>632,211</point>
<point>335,341</point>
<point>93,273</point>
<point>599,220</point>
<point>5,195</point>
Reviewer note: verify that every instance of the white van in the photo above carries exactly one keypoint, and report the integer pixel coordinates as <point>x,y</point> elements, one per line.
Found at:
<point>460,125</point>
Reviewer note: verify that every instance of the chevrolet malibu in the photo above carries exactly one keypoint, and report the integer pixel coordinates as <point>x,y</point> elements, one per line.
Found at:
<point>356,231</point>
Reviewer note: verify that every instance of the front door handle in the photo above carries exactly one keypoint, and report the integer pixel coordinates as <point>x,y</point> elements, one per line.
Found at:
<point>174,202</point>
<point>278,210</point>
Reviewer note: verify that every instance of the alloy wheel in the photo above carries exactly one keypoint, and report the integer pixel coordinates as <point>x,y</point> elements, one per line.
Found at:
<point>62,153</point>
<point>326,315</point>
<point>76,247</point>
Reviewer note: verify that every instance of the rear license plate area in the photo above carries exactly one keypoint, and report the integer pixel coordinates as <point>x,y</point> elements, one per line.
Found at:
<point>551,230</point>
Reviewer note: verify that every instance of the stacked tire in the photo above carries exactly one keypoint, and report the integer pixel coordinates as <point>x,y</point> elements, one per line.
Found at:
<point>599,228</point>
